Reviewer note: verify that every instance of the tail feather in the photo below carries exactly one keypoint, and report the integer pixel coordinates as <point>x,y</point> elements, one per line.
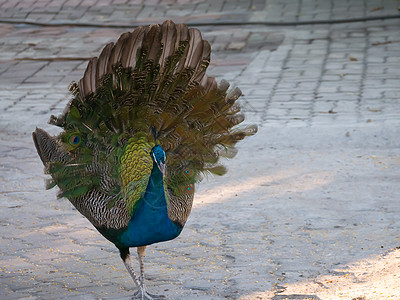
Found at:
<point>181,41</point>
<point>117,51</point>
<point>152,43</point>
<point>195,50</point>
<point>133,45</point>
<point>168,40</point>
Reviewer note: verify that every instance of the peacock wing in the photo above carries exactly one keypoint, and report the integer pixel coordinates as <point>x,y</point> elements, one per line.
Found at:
<point>85,160</point>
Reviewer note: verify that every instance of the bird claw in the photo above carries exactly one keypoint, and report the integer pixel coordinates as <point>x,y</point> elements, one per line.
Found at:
<point>141,294</point>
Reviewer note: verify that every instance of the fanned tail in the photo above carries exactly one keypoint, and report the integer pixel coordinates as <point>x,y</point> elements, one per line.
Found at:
<point>154,80</point>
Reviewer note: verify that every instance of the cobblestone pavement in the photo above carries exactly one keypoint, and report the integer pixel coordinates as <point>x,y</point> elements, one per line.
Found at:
<point>316,189</point>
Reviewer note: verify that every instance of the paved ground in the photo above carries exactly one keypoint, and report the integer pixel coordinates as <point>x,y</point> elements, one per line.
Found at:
<point>310,201</point>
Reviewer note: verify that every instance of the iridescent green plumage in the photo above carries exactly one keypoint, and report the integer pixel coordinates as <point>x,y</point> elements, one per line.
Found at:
<point>135,170</point>
<point>147,90</point>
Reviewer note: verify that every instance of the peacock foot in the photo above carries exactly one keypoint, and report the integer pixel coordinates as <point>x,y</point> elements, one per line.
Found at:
<point>141,294</point>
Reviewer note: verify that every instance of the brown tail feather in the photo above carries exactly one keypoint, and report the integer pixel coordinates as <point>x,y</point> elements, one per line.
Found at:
<point>103,66</point>
<point>168,40</point>
<point>132,46</point>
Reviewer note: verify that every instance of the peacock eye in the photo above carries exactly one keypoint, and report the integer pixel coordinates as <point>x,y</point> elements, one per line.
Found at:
<point>188,172</point>
<point>189,189</point>
<point>74,140</point>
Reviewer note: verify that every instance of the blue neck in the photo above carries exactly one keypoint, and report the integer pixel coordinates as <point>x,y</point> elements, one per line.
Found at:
<point>155,194</point>
<point>150,223</point>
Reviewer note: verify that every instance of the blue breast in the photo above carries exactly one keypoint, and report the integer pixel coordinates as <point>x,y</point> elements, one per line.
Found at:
<point>150,223</point>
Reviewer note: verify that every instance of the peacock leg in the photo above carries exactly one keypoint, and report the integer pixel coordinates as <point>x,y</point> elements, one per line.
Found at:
<point>142,293</point>
<point>141,251</point>
<point>126,258</point>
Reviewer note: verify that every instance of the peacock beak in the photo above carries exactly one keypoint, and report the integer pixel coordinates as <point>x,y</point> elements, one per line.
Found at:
<point>161,166</point>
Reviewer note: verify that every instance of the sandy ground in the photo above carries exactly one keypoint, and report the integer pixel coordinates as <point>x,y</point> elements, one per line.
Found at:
<point>374,278</point>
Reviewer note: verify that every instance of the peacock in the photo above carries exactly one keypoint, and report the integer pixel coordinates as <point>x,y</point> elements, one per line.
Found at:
<point>143,125</point>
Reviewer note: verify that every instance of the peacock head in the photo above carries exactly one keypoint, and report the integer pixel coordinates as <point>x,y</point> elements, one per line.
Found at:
<point>158,155</point>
